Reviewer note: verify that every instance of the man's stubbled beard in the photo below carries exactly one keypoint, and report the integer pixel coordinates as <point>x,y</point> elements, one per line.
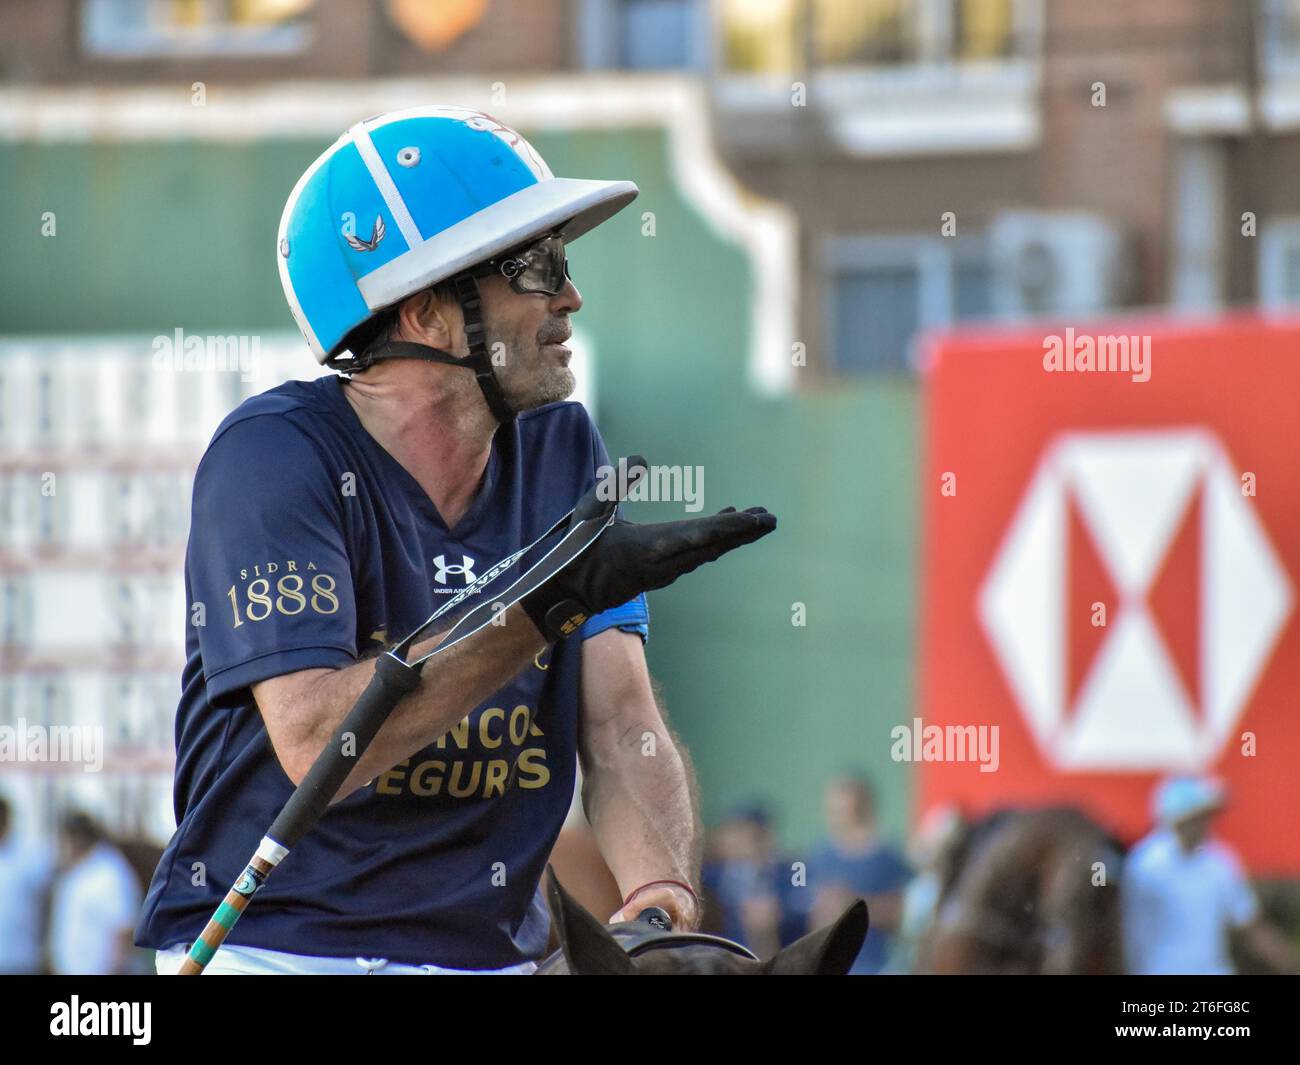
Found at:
<point>525,380</point>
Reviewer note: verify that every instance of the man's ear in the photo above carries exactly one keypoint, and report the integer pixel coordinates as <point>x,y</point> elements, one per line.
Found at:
<point>589,948</point>
<point>425,319</point>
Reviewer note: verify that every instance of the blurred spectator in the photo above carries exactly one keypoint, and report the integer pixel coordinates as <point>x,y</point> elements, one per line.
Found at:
<point>855,862</point>
<point>930,852</point>
<point>1183,892</point>
<point>25,871</point>
<point>96,897</point>
<point>749,885</point>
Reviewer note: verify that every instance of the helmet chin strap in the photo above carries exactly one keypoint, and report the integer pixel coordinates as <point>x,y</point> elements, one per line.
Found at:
<point>478,360</point>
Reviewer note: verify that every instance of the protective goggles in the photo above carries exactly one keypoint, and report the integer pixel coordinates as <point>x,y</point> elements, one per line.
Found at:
<point>540,267</point>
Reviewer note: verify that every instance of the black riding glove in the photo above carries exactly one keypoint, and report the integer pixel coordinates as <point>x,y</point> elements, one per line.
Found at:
<point>629,559</point>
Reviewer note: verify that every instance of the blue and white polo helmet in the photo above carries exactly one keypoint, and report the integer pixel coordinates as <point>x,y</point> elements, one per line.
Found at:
<point>1178,798</point>
<point>404,200</point>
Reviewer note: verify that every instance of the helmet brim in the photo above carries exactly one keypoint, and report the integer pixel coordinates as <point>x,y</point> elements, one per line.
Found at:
<point>573,205</point>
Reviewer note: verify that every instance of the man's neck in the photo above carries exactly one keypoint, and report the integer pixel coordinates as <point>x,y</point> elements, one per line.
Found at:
<point>441,438</point>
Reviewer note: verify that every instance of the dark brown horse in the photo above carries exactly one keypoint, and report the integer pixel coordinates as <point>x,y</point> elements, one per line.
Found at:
<point>1030,891</point>
<point>648,946</point>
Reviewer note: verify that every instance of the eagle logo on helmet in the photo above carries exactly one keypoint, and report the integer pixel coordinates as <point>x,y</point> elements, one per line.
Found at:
<point>376,235</point>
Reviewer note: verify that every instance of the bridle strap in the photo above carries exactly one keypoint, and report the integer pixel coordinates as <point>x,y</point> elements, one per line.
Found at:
<point>670,940</point>
<point>652,930</point>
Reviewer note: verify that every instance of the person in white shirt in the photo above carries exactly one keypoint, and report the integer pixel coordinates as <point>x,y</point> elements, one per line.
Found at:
<point>25,871</point>
<point>1182,892</point>
<point>96,900</point>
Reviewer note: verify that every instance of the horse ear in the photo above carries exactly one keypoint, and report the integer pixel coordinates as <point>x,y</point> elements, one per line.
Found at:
<point>829,951</point>
<point>588,947</point>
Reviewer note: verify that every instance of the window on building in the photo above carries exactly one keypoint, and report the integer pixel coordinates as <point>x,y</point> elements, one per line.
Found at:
<point>50,519</point>
<point>972,287</point>
<point>87,423</point>
<point>15,611</point>
<point>122,606</point>
<point>770,36</point>
<point>119,498</point>
<point>187,401</point>
<point>763,38</point>
<point>164,510</point>
<point>644,34</point>
<point>9,509</point>
<point>134,29</point>
<point>1279,263</point>
<point>52,701</point>
<point>45,404</point>
<point>984,29</point>
<point>876,314</point>
<point>655,34</point>
<point>882,292</point>
<point>138,381</point>
<point>1278,33</point>
<point>870,32</point>
<point>1291,274</point>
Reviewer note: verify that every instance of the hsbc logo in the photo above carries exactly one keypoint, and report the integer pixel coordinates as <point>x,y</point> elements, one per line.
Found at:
<point>1154,525</point>
<point>465,570</point>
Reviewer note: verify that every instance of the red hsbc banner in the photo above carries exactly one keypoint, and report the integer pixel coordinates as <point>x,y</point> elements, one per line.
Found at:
<point>1111,561</point>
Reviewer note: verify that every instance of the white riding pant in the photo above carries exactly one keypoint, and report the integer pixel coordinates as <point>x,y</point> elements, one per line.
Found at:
<point>251,961</point>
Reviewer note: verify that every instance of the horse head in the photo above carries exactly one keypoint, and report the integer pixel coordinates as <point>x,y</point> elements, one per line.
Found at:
<point>649,946</point>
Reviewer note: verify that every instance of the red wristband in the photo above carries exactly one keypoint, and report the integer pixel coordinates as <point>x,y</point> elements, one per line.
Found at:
<point>681,884</point>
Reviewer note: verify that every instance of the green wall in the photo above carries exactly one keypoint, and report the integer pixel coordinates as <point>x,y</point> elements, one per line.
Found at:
<point>155,236</point>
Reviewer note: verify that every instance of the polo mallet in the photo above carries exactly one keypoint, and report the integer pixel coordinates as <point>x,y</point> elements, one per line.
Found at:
<point>395,677</point>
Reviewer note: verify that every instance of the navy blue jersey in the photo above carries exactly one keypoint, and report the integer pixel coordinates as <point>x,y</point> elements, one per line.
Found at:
<point>310,546</point>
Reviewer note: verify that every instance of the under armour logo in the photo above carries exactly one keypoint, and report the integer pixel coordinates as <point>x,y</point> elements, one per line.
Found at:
<point>466,569</point>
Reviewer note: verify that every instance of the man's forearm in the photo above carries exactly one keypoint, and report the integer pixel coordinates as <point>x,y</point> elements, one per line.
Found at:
<point>642,809</point>
<point>451,685</point>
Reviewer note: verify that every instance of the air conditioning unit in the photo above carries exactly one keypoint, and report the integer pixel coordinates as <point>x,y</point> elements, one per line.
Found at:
<point>1057,262</point>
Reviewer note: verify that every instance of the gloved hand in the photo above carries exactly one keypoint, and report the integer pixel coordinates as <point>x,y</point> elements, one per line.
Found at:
<point>628,559</point>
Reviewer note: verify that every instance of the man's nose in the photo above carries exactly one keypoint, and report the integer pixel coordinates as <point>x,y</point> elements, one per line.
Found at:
<point>568,298</point>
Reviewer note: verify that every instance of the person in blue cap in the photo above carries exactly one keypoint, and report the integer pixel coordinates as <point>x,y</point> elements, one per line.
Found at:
<point>424,256</point>
<point>1182,892</point>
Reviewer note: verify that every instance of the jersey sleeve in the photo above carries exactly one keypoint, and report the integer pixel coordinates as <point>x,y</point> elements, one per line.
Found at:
<point>268,558</point>
<point>634,615</point>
